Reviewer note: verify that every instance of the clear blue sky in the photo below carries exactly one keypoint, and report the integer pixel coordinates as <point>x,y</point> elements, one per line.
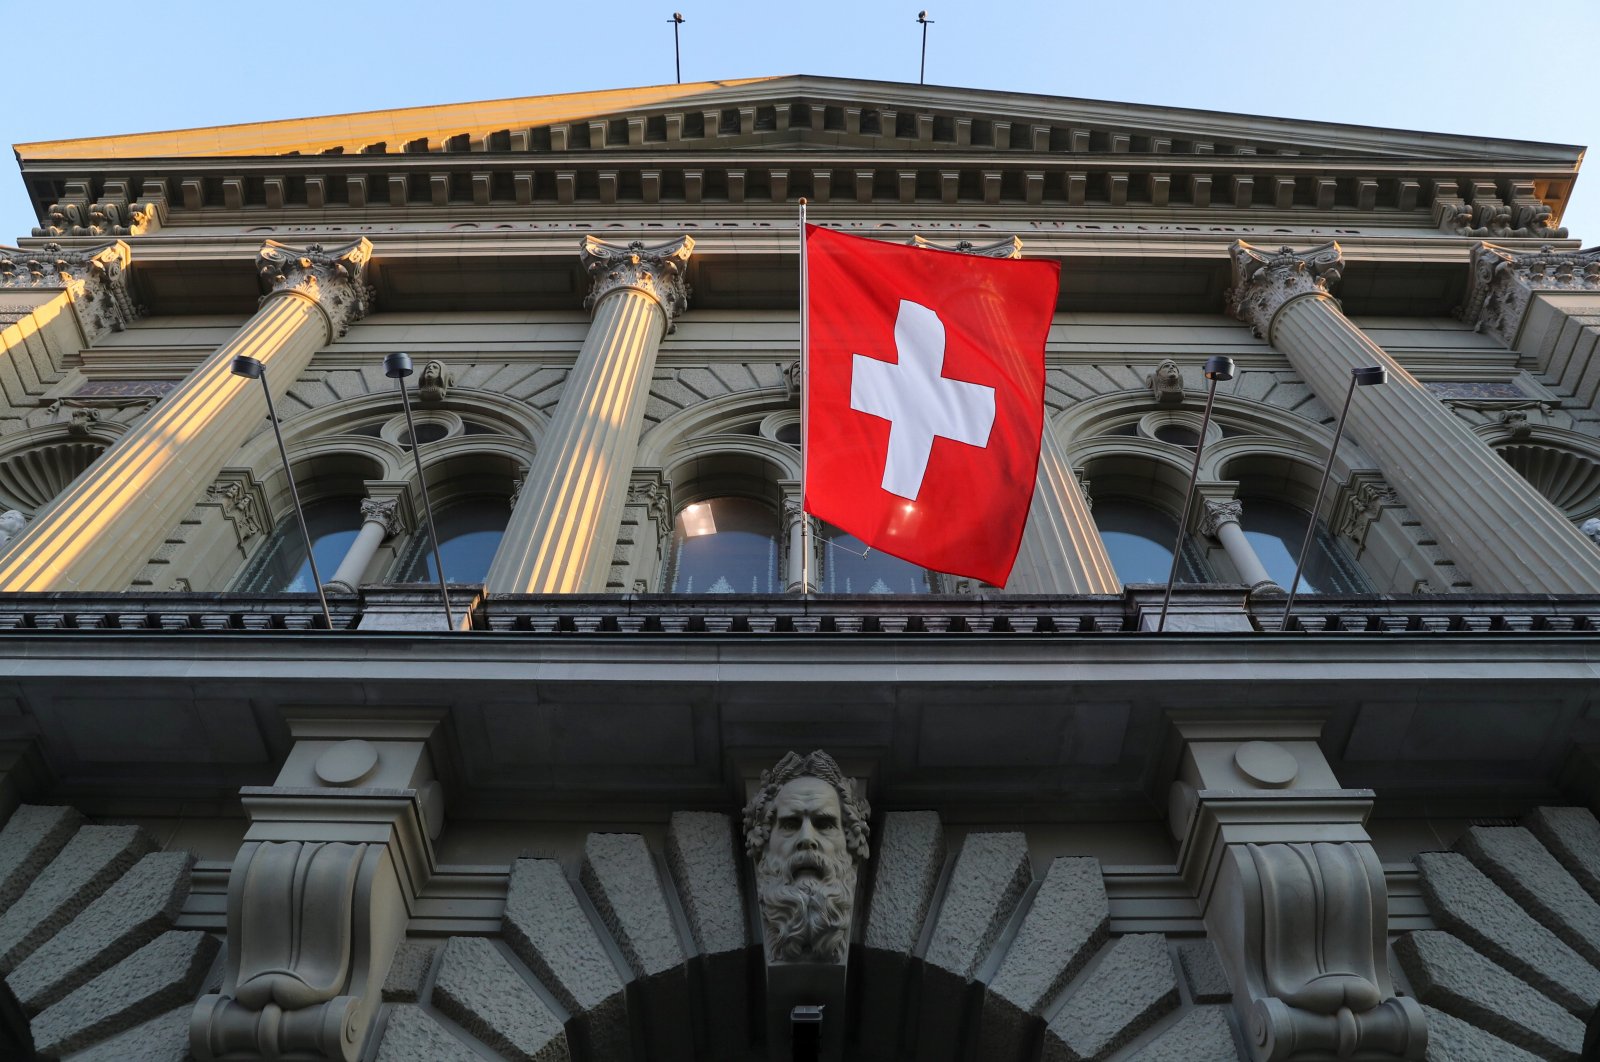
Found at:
<point>1470,66</point>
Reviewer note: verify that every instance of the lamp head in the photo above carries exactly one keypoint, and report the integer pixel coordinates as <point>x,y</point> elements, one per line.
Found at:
<point>1369,375</point>
<point>397,366</point>
<point>677,16</point>
<point>246,366</point>
<point>922,16</point>
<point>1219,367</point>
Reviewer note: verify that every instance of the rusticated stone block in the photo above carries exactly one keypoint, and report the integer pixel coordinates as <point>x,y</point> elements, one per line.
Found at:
<point>1202,968</point>
<point>702,859</point>
<point>547,928</point>
<point>1068,922</point>
<point>1452,1040</point>
<point>31,838</point>
<point>1513,859</point>
<point>413,1036</point>
<point>990,876</point>
<point>1449,975</point>
<point>1132,987</point>
<point>1202,1035</point>
<point>1573,836</point>
<point>1475,909</point>
<point>910,856</point>
<point>85,867</point>
<point>478,988</point>
<point>164,1038</point>
<point>408,971</point>
<point>159,976</point>
<point>142,904</point>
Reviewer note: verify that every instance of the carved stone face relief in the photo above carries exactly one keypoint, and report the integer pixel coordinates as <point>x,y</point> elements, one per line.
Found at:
<point>806,831</point>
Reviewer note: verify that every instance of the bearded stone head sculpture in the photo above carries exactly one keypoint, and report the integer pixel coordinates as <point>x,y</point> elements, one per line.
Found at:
<point>806,831</point>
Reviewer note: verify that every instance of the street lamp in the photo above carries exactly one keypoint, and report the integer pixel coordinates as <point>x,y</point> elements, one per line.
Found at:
<point>1366,376</point>
<point>1217,367</point>
<point>922,72</point>
<point>677,62</point>
<point>251,369</point>
<point>397,367</point>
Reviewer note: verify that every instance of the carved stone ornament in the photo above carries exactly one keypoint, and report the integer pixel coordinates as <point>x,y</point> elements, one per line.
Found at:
<point>1265,282</point>
<point>806,831</point>
<point>434,383</point>
<point>331,278</point>
<point>1590,527</point>
<point>1010,247</point>
<point>655,270</point>
<point>238,505</point>
<point>1502,284</point>
<point>1166,383</point>
<point>1363,502</point>
<point>12,524</point>
<point>1216,513</point>
<point>383,511</point>
<point>793,382</point>
<point>96,279</point>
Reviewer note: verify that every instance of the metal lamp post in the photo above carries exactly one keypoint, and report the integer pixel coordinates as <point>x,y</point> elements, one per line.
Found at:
<point>397,367</point>
<point>1217,367</point>
<point>1360,377</point>
<point>250,368</point>
<point>677,61</point>
<point>922,71</point>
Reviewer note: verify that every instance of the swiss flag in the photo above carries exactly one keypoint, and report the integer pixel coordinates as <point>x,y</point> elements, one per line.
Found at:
<point>925,398</point>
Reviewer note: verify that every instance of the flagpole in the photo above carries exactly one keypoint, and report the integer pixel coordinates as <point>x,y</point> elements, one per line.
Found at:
<point>805,394</point>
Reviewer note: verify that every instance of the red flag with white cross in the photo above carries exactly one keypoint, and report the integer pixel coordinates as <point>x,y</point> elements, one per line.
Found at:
<point>925,398</point>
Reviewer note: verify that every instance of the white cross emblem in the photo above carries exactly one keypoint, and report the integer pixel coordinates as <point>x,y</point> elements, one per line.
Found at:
<point>917,401</point>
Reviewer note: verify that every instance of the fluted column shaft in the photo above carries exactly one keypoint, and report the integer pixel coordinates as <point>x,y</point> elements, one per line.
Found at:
<point>105,527</point>
<point>564,526</point>
<point>1062,551</point>
<point>1492,521</point>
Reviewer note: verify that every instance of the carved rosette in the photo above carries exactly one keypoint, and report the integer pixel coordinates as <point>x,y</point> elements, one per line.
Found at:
<point>382,511</point>
<point>1502,284</point>
<point>1008,248</point>
<point>655,271</point>
<point>95,277</point>
<point>1265,282</point>
<point>1217,513</point>
<point>332,278</point>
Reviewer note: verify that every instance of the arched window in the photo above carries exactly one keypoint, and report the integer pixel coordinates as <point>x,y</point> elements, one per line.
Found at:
<point>1139,538</point>
<point>848,567</point>
<point>726,545</point>
<point>281,565</point>
<point>470,530</point>
<point>1276,529</point>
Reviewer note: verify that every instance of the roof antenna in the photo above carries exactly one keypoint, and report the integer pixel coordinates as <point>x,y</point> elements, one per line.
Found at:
<point>677,62</point>
<point>922,74</point>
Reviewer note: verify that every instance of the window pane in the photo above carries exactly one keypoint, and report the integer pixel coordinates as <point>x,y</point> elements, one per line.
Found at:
<point>282,567</point>
<point>846,571</point>
<point>1139,539</point>
<point>1276,530</point>
<point>724,546</point>
<point>469,533</point>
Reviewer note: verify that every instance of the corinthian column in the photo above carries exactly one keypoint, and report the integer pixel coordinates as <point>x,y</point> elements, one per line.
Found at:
<point>1545,306</point>
<point>1220,519</point>
<point>564,525</point>
<point>99,533</point>
<point>1494,524</point>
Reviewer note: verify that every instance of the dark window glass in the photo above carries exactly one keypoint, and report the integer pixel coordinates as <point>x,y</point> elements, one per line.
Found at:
<point>469,532</point>
<point>1139,539</point>
<point>850,568</point>
<point>789,433</point>
<point>281,565</point>
<point>428,431</point>
<point>1178,434</point>
<point>724,546</point>
<point>1276,529</point>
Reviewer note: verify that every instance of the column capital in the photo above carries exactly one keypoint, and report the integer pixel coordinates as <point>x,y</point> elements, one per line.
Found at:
<point>1216,513</point>
<point>655,270</point>
<point>1264,282</point>
<point>382,511</point>
<point>1502,283</point>
<point>95,278</point>
<point>332,278</point>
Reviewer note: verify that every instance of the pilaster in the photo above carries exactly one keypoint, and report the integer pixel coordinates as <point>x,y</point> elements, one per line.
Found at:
<point>99,533</point>
<point>565,522</point>
<point>1277,854</point>
<point>1485,515</point>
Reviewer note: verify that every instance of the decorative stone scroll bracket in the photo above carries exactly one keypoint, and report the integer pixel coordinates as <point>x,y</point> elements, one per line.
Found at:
<point>94,278</point>
<point>1265,282</point>
<point>656,271</point>
<point>1008,248</point>
<point>321,892</point>
<point>1292,892</point>
<point>1502,284</point>
<point>243,502</point>
<point>333,279</point>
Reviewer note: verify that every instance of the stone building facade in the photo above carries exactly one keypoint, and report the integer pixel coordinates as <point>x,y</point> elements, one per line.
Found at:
<point>1358,830</point>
